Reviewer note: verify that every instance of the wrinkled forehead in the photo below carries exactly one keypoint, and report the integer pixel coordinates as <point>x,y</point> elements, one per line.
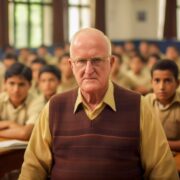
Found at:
<point>89,44</point>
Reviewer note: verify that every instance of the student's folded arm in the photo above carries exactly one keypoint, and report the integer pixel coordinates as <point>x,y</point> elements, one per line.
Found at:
<point>13,130</point>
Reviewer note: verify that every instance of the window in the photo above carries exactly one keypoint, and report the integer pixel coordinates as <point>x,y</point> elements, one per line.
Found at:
<point>30,23</point>
<point>80,15</point>
<point>161,18</point>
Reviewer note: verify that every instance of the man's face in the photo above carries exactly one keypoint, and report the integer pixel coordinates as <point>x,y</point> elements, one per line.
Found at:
<point>164,85</point>
<point>48,83</point>
<point>17,88</point>
<point>92,76</point>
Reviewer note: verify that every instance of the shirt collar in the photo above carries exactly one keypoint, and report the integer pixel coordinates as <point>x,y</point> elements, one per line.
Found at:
<point>25,102</point>
<point>108,98</point>
<point>176,99</point>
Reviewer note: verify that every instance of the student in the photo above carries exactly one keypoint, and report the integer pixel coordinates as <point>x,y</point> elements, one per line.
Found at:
<point>49,79</point>
<point>36,65</point>
<point>99,130</point>
<point>68,81</point>
<point>165,101</point>
<point>17,116</point>
<point>118,76</point>
<point>8,60</point>
<point>139,75</point>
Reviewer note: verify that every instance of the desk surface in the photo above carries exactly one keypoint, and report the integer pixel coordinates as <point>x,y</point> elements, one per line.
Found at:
<point>177,160</point>
<point>10,159</point>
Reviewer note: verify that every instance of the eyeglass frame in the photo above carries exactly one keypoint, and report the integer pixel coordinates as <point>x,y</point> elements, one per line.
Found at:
<point>95,61</point>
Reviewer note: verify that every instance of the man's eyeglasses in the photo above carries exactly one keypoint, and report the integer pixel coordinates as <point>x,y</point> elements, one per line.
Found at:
<point>95,61</point>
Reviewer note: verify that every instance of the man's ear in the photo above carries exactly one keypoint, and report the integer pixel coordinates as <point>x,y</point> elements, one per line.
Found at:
<point>112,59</point>
<point>70,62</point>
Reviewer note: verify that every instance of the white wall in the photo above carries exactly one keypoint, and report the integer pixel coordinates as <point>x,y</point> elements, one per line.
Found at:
<point>122,22</point>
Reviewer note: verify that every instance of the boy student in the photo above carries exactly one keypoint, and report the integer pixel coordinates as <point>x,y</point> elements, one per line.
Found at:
<point>49,79</point>
<point>118,76</point>
<point>139,76</point>
<point>165,101</point>
<point>68,81</point>
<point>35,66</point>
<point>17,116</point>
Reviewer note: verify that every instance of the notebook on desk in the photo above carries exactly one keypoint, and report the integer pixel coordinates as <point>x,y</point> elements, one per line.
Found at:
<point>13,144</point>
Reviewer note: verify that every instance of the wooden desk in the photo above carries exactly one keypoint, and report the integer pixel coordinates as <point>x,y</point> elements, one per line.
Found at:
<point>10,160</point>
<point>177,160</point>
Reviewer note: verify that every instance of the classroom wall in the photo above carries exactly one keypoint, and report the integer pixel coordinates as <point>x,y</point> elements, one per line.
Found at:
<point>132,19</point>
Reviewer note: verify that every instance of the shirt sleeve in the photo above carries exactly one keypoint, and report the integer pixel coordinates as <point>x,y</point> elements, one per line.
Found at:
<point>38,158</point>
<point>156,157</point>
<point>34,111</point>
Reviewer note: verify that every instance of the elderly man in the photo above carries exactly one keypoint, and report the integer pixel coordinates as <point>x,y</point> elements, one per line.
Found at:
<point>99,131</point>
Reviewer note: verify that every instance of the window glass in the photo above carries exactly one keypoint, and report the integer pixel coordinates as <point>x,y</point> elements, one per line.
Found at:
<point>79,15</point>
<point>85,2</point>
<point>21,28</point>
<point>36,24</point>
<point>11,24</point>
<point>73,21</point>
<point>30,23</point>
<point>74,2</point>
<point>85,16</point>
<point>47,25</point>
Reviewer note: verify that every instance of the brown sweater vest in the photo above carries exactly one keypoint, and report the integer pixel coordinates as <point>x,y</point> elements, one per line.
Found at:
<point>105,148</point>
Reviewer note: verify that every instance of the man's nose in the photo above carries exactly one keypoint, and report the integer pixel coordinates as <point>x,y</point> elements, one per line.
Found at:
<point>89,67</point>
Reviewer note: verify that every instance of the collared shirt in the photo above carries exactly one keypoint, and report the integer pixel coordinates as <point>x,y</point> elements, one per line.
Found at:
<point>123,80</point>
<point>107,100</point>
<point>169,115</point>
<point>23,114</point>
<point>67,85</point>
<point>142,79</point>
<point>156,156</point>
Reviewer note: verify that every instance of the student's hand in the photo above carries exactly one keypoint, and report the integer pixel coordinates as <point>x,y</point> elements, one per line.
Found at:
<point>7,125</point>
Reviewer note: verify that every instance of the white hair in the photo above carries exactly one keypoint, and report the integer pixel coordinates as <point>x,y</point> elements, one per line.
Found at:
<point>84,30</point>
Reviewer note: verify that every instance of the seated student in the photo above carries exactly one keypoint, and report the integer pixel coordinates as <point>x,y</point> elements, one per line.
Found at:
<point>49,79</point>
<point>35,66</point>
<point>152,59</point>
<point>17,116</point>
<point>165,101</point>
<point>118,76</point>
<point>139,75</point>
<point>8,60</point>
<point>68,81</point>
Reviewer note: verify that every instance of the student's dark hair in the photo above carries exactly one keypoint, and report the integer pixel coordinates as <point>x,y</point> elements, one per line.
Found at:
<point>120,61</point>
<point>19,69</point>
<point>39,60</point>
<point>50,69</point>
<point>166,64</point>
<point>156,56</point>
<point>66,54</point>
<point>139,56</point>
<point>10,56</point>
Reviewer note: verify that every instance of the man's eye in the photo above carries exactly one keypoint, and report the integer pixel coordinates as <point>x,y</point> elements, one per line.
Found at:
<point>81,61</point>
<point>96,60</point>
